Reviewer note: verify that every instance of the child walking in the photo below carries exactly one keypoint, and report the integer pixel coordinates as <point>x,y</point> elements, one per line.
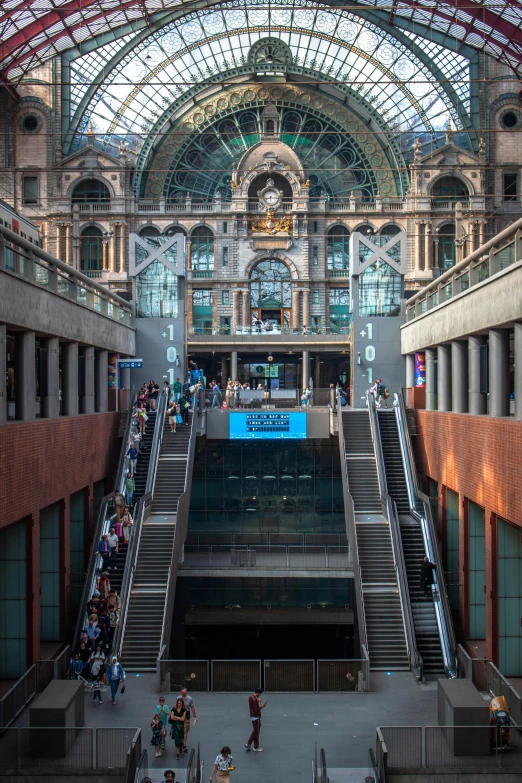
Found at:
<point>96,687</point>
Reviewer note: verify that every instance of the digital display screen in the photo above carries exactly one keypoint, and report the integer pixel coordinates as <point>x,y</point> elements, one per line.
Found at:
<point>268,426</point>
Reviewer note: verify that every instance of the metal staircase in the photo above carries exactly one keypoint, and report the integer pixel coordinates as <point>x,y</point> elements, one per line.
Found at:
<point>423,610</point>
<point>380,600</point>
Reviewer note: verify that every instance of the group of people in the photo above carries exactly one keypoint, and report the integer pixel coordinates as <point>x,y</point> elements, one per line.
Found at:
<point>380,393</point>
<point>178,718</point>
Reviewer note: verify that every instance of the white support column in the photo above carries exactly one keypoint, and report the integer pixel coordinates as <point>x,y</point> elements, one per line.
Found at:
<point>444,377</point>
<point>50,399</point>
<point>25,376</point>
<point>306,368</point>
<point>431,391</point>
<point>459,376</point>
<point>498,372</point>
<point>101,381</point>
<point>87,400</point>
<point>477,402</point>
<point>233,365</point>
<point>410,371</point>
<point>70,379</point>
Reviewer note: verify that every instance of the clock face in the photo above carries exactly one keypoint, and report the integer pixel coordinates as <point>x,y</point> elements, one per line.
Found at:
<point>271,197</point>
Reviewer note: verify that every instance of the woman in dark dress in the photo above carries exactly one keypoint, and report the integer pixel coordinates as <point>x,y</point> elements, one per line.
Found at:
<point>178,715</point>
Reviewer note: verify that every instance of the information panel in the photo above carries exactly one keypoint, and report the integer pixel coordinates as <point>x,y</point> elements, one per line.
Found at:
<point>271,426</point>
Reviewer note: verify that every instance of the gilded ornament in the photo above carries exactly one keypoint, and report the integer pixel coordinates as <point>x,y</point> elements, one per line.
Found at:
<point>268,224</point>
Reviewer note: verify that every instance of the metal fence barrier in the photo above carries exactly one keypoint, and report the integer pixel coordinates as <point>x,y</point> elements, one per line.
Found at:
<point>400,753</point>
<point>289,675</point>
<point>190,674</point>
<point>16,698</point>
<point>44,750</point>
<point>343,675</point>
<point>498,685</point>
<point>266,556</point>
<point>236,676</point>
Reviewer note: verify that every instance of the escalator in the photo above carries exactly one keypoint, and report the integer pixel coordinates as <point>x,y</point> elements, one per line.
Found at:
<point>433,629</point>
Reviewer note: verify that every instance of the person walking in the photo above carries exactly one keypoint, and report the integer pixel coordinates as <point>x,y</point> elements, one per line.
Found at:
<point>188,701</point>
<point>184,408</point>
<point>132,454</point>
<point>176,389</point>
<point>105,551</point>
<point>115,675</point>
<point>127,524</point>
<point>130,486</point>
<point>172,413</point>
<point>119,504</point>
<point>96,687</point>
<point>113,548</point>
<point>177,720</point>
<point>158,734</point>
<point>75,667</point>
<point>255,707</point>
<point>426,576</point>
<point>153,394</point>
<point>103,585</point>
<point>163,711</point>
<point>97,662</point>
<point>221,766</point>
<point>308,396</point>
<point>216,395</point>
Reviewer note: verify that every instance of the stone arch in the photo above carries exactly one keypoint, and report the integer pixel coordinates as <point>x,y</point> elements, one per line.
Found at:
<point>452,175</point>
<point>85,175</point>
<point>274,256</point>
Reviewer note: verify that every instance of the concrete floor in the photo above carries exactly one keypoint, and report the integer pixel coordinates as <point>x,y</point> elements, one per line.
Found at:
<point>343,724</point>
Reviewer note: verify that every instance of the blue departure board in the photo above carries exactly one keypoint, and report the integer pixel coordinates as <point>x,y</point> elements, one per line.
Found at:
<point>267,426</point>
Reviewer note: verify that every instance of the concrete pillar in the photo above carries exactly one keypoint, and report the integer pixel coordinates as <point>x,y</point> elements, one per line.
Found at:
<point>101,381</point>
<point>317,371</point>
<point>125,379</point>
<point>25,376</point>
<point>87,401</point>
<point>50,400</point>
<point>444,377</point>
<point>477,402</point>
<point>431,389</point>
<point>235,312</point>
<point>499,372</point>
<point>410,371</point>
<point>247,321</point>
<point>295,308</point>
<point>418,246</point>
<point>518,370</point>
<point>306,307</point>
<point>224,377</point>
<point>459,376</point>
<point>233,366</point>
<point>306,368</point>
<point>3,370</point>
<point>70,379</point>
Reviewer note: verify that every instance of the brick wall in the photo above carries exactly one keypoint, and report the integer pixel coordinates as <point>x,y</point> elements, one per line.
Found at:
<point>44,462</point>
<point>479,458</point>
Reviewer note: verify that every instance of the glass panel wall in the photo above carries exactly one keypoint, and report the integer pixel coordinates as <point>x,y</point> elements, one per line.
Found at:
<point>274,592</point>
<point>452,548</point>
<point>77,549</point>
<point>156,292</point>
<point>509,599</point>
<point>477,571</point>
<point>13,624</point>
<point>50,573</point>
<point>379,290</point>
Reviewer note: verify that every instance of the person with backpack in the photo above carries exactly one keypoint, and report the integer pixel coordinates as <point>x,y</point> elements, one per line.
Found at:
<point>184,406</point>
<point>308,397</point>
<point>380,393</point>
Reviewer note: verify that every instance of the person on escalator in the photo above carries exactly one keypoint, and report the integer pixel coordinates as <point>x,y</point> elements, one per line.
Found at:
<point>426,577</point>
<point>130,486</point>
<point>184,408</point>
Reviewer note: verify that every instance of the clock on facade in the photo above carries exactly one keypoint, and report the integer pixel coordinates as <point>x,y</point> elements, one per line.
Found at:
<point>269,196</point>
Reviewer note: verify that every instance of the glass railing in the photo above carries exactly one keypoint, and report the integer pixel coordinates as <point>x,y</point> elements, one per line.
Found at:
<point>271,330</point>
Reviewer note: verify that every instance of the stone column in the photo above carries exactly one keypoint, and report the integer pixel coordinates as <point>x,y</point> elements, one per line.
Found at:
<point>306,307</point>
<point>459,376</point>
<point>518,370</point>
<point>418,246</point>
<point>235,312</point>
<point>189,306</point>
<point>410,371</point>
<point>482,231</point>
<point>498,372</point>
<point>431,390</point>
<point>87,401</point>
<point>306,368</point>
<point>295,308</point>
<point>215,318</point>
<point>3,370</point>
<point>435,252</point>
<point>114,247</point>
<point>245,295</point>
<point>472,238</point>
<point>101,381</point>
<point>444,377</point>
<point>70,379</point>
<point>25,376</point>
<point>50,400</point>
<point>233,365</point>
<point>105,255</point>
<point>428,246</point>
<point>122,259</point>
<point>68,243</point>
<point>477,399</point>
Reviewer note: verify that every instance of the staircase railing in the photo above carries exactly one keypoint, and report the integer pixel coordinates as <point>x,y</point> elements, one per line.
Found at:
<point>349,515</point>
<point>103,524</point>
<point>180,535</point>
<point>389,510</point>
<point>142,511</point>
<point>420,509</point>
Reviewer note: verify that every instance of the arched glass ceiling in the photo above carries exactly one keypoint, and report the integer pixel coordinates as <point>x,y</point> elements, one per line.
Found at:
<point>32,31</point>
<point>382,69</point>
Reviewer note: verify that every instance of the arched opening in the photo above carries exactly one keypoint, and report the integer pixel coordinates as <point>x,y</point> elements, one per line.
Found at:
<point>91,191</point>
<point>446,253</point>
<point>449,189</point>
<point>91,249</point>
<point>271,297</point>
<point>149,231</point>
<point>270,126</point>
<point>280,184</point>
<point>338,248</point>
<point>202,250</point>
<point>390,230</point>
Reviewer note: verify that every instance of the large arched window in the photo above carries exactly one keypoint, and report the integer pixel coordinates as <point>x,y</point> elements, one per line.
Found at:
<point>202,249</point>
<point>446,236</point>
<point>91,249</point>
<point>338,250</point>
<point>149,231</point>
<point>91,191</point>
<point>379,290</point>
<point>449,189</point>
<point>271,295</point>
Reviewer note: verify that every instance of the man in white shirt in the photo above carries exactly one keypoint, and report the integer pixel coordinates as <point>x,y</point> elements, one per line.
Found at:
<point>113,544</point>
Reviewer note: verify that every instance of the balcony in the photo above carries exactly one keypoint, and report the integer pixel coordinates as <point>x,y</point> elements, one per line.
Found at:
<point>200,274</point>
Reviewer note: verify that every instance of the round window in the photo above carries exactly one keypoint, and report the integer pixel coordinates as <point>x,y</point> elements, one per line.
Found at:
<point>30,123</point>
<point>510,120</point>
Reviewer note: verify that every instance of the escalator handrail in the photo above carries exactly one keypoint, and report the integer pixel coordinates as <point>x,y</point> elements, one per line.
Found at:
<point>103,524</point>
<point>442,606</point>
<point>349,510</point>
<point>159,427</point>
<point>182,509</point>
<point>390,511</point>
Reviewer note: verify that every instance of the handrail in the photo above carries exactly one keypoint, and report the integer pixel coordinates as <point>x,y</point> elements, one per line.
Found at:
<point>159,427</point>
<point>389,509</point>
<point>103,526</point>
<point>349,513</point>
<point>180,533</point>
<point>442,606</point>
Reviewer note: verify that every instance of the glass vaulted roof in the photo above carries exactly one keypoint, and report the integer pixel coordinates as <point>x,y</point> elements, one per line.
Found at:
<point>139,84</point>
<point>32,31</point>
